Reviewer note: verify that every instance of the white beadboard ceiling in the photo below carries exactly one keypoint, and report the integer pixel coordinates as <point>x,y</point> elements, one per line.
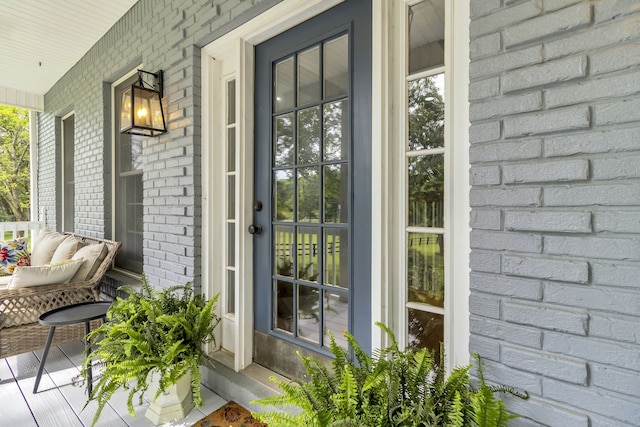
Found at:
<point>40,40</point>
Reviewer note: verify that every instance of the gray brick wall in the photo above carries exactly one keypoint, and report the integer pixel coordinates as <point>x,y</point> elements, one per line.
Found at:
<point>161,34</point>
<point>555,169</point>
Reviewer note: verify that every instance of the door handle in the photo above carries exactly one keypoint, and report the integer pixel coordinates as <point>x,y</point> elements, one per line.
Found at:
<point>255,229</point>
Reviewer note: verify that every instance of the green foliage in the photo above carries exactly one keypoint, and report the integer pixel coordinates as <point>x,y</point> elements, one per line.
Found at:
<point>14,164</point>
<point>161,330</point>
<point>390,388</point>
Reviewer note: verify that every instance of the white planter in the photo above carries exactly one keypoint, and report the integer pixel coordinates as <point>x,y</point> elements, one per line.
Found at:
<point>174,404</point>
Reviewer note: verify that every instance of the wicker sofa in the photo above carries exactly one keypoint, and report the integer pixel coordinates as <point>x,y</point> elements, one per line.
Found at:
<point>20,331</point>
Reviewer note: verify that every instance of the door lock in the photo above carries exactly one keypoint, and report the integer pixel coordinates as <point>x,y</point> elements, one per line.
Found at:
<point>255,229</point>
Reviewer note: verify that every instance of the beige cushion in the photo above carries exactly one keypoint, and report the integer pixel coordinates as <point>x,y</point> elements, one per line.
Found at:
<point>45,246</point>
<point>92,256</point>
<point>66,249</point>
<point>60,273</point>
<point>4,282</point>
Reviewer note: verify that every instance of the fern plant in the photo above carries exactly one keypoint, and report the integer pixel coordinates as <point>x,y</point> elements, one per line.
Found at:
<point>392,387</point>
<point>163,330</point>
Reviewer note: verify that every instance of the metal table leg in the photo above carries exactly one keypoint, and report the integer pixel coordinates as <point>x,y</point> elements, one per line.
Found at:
<point>52,329</point>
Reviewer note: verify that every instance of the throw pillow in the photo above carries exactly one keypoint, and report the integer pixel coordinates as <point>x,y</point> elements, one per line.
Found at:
<point>93,255</point>
<point>66,249</point>
<point>45,246</point>
<point>12,254</point>
<point>60,273</point>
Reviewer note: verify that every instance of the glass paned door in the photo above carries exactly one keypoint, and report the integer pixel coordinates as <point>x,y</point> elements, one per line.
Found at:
<point>310,182</point>
<point>306,136</point>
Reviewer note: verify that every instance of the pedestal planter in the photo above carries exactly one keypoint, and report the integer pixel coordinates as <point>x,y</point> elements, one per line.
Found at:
<point>175,403</point>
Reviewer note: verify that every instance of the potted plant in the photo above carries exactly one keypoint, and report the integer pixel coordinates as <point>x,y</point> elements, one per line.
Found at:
<point>152,333</point>
<point>392,388</point>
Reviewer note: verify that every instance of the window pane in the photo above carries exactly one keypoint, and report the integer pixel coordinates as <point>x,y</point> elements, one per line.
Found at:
<point>426,113</point>
<point>231,150</point>
<point>284,305</point>
<point>231,291</point>
<point>425,268</point>
<point>309,135</point>
<point>426,35</point>
<point>426,191</point>
<point>336,67</point>
<point>426,330</point>
<point>283,195</point>
<point>130,153</point>
<point>129,227</point>
<point>336,194</point>
<point>309,194</point>
<point>231,197</point>
<point>283,247</point>
<point>283,86</point>
<point>283,140</point>
<point>308,313</point>
<point>336,257</point>
<point>336,130</point>
<point>336,316</point>
<point>307,243</point>
<point>309,76</point>
<point>231,244</point>
<point>231,102</point>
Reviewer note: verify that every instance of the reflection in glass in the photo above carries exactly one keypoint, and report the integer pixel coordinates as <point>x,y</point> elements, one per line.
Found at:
<point>426,191</point>
<point>231,197</point>
<point>308,313</point>
<point>284,306</point>
<point>307,243</point>
<point>336,316</point>
<point>426,113</point>
<point>283,247</point>
<point>336,67</point>
<point>309,194</point>
<point>309,76</point>
<point>231,102</point>
<point>231,149</point>
<point>336,194</point>
<point>336,130</point>
<point>309,136</point>
<point>231,244</point>
<point>336,257</point>
<point>131,154</point>
<point>283,140</point>
<point>231,291</point>
<point>283,195</point>
<point>283,86</point>
<point>426,330</point>
<point>425,268</point>
<point>426,35</point>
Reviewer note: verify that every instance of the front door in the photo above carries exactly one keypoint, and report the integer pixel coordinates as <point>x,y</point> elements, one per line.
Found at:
<point>312,219</point>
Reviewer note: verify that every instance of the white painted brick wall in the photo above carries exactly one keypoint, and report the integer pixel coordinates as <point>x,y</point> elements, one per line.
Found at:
<point>565,313</point>
<point>165,35</point>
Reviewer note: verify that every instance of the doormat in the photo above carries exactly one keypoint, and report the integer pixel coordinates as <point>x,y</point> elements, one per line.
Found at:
<point>230,415</point>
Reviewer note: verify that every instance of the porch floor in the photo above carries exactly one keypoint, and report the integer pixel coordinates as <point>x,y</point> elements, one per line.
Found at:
<point>59,402</point>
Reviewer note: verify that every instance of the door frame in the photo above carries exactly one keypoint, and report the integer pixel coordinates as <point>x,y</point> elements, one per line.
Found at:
<point>238,46</point>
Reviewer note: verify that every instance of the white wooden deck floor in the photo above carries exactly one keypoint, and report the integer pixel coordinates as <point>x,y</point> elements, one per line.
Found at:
<point>59,402</point>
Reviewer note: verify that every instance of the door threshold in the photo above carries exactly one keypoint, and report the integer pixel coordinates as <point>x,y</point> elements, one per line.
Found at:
<point>242,387</point>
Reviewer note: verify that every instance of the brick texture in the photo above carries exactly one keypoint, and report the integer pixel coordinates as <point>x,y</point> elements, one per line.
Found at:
<point>565,170</point>
<point>167,35</point>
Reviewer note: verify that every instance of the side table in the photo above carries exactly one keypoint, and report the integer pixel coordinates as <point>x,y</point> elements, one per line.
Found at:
<point>69,315</point>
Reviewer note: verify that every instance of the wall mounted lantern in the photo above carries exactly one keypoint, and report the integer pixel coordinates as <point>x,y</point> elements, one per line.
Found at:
<point>141,109</point>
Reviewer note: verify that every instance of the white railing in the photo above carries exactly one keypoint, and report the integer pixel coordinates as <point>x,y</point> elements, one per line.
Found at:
<point>29,229</point>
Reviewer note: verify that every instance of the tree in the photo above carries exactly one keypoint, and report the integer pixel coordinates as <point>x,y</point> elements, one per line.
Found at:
<point>14,164</point>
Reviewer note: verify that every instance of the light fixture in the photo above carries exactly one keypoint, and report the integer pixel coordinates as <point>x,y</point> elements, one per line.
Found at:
<point>141,108</point>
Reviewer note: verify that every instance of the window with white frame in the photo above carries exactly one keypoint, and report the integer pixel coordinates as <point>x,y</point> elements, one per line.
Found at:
<point>127,188</point>
<point>425,174</point>
<point>231,177</point>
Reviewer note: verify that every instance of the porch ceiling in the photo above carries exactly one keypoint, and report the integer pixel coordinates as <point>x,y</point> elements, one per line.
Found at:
<point>40,40</point>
